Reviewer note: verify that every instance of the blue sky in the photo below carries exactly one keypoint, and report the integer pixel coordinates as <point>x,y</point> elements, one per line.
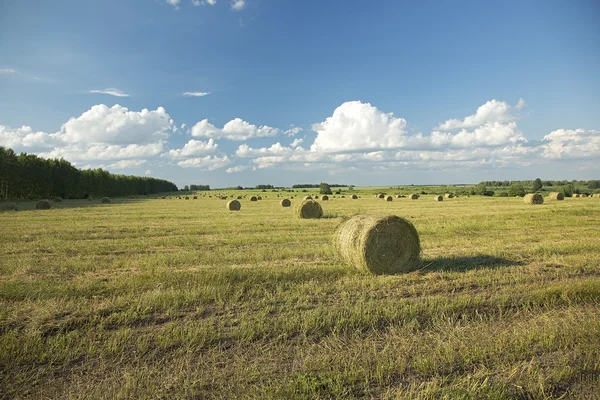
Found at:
<point>365,93</point>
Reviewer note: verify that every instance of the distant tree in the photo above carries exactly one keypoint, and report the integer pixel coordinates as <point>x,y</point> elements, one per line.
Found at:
<point>351,188</point>
<point>537,184</point>
<point>516,189</point>
<point>186,188</point>
<point>594,185</point>
<point>324,188</point>
<point>567,190</point>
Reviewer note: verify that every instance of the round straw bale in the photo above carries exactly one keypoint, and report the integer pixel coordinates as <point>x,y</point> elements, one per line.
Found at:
<point>8,207</point>
<point>239,197</point>
<point>382,244</point>
<point>354,197</point>
<point>57,199</point>
<point>187,197</point>
<point>317,197</point>
<point>398,196</point>
<point>42,205</point>
<point>414,196</point>
<point>343,197</point>
<point>105,200</point>
<point>389,198</point>
<point>234,205</point>
<point>556,196</point>
<point>309,209</point>
<point>438,198</point>
<point>576,195</point>
<point>259,198</point>
<point>449,196</point>
<point>285,203</point>
<point>324,197</point>
<point>380,196</point>
<point>583,195</point>
<point>308,198</point>
<point>534,198</point>
<point>253,198</point>
<point>195,197</point>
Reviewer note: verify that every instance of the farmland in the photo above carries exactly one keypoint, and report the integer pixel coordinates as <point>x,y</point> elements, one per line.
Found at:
<point>174,298</point>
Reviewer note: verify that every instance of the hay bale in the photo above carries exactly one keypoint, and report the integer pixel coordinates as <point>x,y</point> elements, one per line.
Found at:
<point>187,198</point>
<point>8,207</point>
<point>317,197</point>
<point>285,203</point>
<point>583,195</point>
<point>413,196</point>
<point>438,198</point>
<point>57,199</point>
<point>308,197</point>
<point>354,197</point>
<point>343,197</point>
<point>382,244</point>
<point>398,196</point>
<point>259,198</point>
<point>389,198</point>
<point>164,198</point>
<point>234,205</point>
<point>42,205</point>
<point>105,200</point>
<point>324,197</point>
<point>534,198</point>
<point>576,195</point>
<point>309,209</point>
<point>449,195</point>
<point>239,197</point>
<point>195,197</point>
<point>556,196</point>
<point>380,196</point>
<point>253,198</point>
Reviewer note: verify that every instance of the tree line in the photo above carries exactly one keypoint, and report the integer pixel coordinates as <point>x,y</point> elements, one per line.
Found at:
<point>27,176</point>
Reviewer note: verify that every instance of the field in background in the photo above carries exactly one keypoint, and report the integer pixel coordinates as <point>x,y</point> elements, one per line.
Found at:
<point>183,299</point>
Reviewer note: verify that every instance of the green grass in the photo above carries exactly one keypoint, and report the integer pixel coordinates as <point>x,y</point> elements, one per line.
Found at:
<point>184,299</point>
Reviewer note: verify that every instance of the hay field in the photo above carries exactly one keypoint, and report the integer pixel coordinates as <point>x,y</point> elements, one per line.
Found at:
<point>155,298</point>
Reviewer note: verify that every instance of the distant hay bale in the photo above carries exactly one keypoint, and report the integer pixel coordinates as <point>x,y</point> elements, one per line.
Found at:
<point>576,195</point>
<point>308,197</point>
<point>438,198</point>
<point>317,197</point>
<point>382,244</point>
<point>234,205</point>
<point>195,197</point>
<point>285,203</point>
<point>259,198</point>
<point>534,198</point>
<point>583,195</point>
<point>343,197</point>
<point>105,200</point>
<point>389,198</point>
<point>398,196</point>
<point>8,207</point>
<point>253,198</point>
<point>449,196</point>
<point>556,196</point>
<point>164,198</point>
<point>57,199</point>
<point>380,196</point>
<point>42,205</point>
<point>413,196</point>
<point>324,197</point>
<point>187,197</point>
<point>239,197</point>
<point>309,209</point>
<point>354,197</point>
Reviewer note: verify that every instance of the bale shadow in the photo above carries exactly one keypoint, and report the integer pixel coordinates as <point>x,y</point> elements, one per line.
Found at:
<point>461,264</point>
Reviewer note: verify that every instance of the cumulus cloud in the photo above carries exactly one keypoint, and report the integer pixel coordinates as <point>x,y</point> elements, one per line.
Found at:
<point>237,168</point>
<point>81,151</point>
<point>194,148</point>
<point>571,144</point>
<point>236,129</point>
<point>9,71</point>
<point>208,163</point>
<point>25,139</point>
<point>110,91</point>
<point>196,94</point>
<point>493,111</point>
<point>174,3</point>
<point>237,5</point>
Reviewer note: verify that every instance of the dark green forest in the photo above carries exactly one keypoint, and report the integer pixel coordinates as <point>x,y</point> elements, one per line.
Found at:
<point>27,176</point>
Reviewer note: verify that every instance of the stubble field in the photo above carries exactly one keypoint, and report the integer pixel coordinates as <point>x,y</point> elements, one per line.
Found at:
<point>171,298</point>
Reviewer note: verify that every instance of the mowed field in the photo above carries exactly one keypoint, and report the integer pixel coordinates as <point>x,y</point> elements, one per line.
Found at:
<point>183,299</point>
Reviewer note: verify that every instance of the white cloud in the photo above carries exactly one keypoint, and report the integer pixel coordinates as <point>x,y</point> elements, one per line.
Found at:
<point>571,144</point>
<point>236,129</point>
<point>293,131</point>
<point>237,168</point>
<point>356,126</point>
<point>196,94</point>
<point>174,3</point>
<point>296,142</point>
<point>122,164</point>
<point>111,91</point>
<point>9,71</point>
<point>491,112</point>
<point>208,163</point>
<point>148,172</point>
<point>194,148</point>
<point>25,139</point>
<point>81,151</point>
<point>118,125</point>
<point>237,5</point>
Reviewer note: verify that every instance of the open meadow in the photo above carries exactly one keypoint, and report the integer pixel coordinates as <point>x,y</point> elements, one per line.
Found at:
<point>174,298</point>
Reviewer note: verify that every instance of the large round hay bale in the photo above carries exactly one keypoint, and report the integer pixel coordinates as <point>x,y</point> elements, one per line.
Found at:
<point>8,207</point>
<point>105,200</point>
<point>42,205</point>
<point>382,244</point>
<point>438,198</point>
<point>187,197</point>
<point>389,198</point>
<point>317,197</point>
<point>413,196</point>
<point>324,197</point>
<point>556,196</point>
<point>308,197</point>
<point>583,195</point>
<point>285,203</point>
<point>449,195</point>
<point>534,198</point>
<point>381,196</point>
<point>259,198</point>
<point>195,197</point>
<point>576,195</point>
<point>57,199</point>
<point>253,198</point>
<point>234,205</point>
<point>354,197</point>
<point>309,209</point>
<point>398,196</point>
